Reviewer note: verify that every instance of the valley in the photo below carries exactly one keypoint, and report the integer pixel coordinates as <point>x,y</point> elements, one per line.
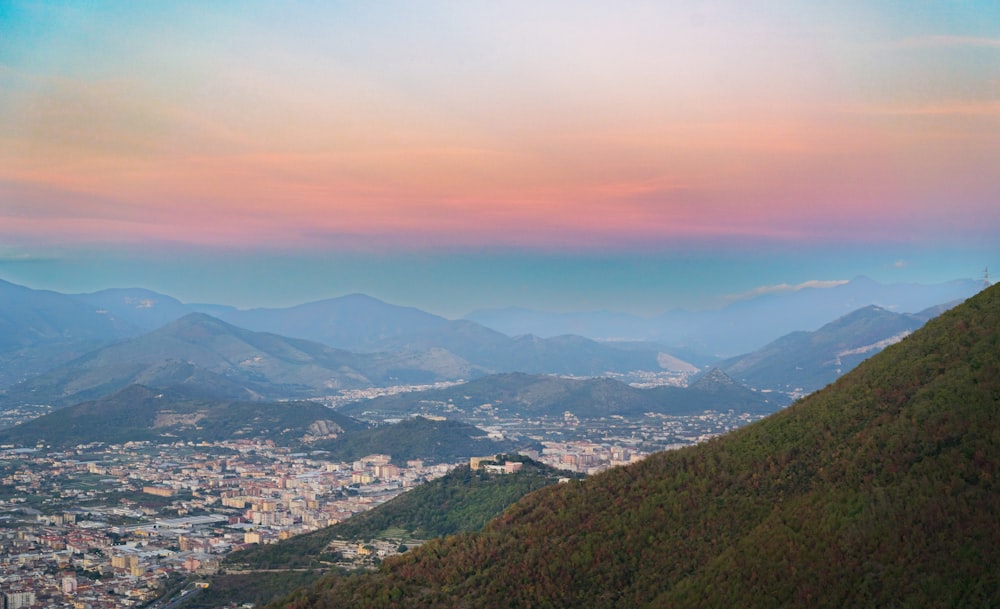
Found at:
<point>200,453</point>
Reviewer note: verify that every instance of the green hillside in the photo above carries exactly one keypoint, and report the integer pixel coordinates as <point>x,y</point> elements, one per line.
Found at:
<point>879,491</point>
<point>460,501</point>
<point>430,440</point>
<point>140,413</point>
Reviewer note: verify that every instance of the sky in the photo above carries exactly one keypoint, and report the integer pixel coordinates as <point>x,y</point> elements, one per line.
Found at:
<point>577,155</point>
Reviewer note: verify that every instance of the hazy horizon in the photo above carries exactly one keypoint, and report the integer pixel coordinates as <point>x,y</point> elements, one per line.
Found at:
<point>563,156</point>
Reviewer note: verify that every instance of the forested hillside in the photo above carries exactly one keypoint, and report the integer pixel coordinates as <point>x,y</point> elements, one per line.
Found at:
<point>139,413</point>
<point>434,441</point>
<point>461,501</point>
<point>877,491</point>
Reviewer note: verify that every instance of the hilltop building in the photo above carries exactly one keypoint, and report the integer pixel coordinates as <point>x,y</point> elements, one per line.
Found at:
<point>495,464</point>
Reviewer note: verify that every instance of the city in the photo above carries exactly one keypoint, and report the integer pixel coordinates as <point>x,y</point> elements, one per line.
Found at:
<point>104,526</point>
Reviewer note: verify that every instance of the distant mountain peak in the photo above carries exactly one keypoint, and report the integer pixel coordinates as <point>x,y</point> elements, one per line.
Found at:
<point>713,380</point>
<point>200,318</point>
<point>201,321</point>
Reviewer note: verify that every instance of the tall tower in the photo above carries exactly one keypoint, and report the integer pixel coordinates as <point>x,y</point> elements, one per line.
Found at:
<point>986,278</point>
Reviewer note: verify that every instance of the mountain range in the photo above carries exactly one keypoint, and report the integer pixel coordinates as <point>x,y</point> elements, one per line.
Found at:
<point>363,324</point>
<point>42,330</point>
<point>205,353</point>
<point>802,362</point>
<point>144,414</point>
<point>517,395</point>
<point>879,490</point>
<point>743,325</point>
<point>61,349</point>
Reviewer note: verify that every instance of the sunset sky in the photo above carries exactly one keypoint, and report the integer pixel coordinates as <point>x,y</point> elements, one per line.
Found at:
<point>635,156</point>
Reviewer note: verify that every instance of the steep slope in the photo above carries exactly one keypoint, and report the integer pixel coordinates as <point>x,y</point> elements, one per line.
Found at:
<point>877,491</point>
<point>806,361</point>
<point>460,501</point>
